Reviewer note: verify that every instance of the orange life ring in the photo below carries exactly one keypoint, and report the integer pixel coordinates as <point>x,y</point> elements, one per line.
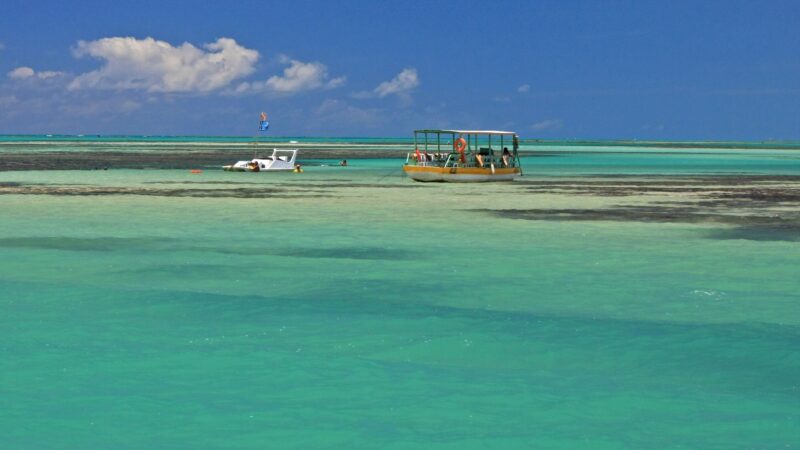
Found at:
<point>460,145</point>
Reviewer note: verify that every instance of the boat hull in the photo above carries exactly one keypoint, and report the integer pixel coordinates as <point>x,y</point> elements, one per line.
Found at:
<point>247,169</point>
<point>282,160</point>
<point>460,174</point>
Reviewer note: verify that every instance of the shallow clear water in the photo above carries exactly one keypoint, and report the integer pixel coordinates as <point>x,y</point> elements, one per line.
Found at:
<point>350,307</point>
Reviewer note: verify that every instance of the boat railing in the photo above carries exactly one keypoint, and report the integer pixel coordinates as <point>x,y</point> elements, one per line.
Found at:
<point>470,160</point>
<point>454,160</point>
<point>431,161</point>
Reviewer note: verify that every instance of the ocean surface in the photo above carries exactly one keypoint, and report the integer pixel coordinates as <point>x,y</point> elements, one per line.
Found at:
<point>614,297</point>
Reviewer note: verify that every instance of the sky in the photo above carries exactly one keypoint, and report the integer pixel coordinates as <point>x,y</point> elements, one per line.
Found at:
<point>568,69</point>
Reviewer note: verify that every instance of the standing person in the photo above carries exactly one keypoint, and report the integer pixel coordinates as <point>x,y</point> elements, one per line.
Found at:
<point>506,156</point>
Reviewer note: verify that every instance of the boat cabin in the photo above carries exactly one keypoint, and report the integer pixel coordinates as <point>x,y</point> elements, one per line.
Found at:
<point>464,156</point>
<point>280,160</point>
<point>465,148</point>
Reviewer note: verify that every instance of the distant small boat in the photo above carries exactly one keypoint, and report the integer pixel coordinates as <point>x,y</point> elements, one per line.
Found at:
<point>280,161</point>
<point>469,157</point>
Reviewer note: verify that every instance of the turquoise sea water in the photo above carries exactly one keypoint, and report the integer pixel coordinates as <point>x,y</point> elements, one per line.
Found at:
<point>352,308</point>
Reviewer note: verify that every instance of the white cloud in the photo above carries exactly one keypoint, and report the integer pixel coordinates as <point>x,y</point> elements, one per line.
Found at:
<point>524,89</point>
<point>403,83</point>
<point>23,73</point>
<point>548,125</point>
<point>298,77</point>
<point>48,74</point>
<point>336,82</point>
<point>157,66</point>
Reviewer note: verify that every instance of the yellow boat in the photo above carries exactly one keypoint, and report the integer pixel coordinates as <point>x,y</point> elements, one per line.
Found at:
<point>463,156</point>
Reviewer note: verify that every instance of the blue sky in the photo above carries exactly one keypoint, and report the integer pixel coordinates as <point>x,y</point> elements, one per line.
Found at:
<point>707,70</point>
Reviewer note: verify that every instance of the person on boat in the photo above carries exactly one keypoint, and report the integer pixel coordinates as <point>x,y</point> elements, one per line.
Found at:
<point>506,156</point>
<point>343,163</point>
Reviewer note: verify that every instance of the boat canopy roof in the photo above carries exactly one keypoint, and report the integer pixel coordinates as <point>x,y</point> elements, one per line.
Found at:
<point>489,132</point>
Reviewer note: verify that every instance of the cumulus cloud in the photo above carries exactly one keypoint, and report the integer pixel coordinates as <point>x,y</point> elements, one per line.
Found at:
<point>298,77</point>
<point>48,74</point>
<point>157,66</point>
<point>23,73</point>
<point>524,89</point>
<point>548,125</point>
<point>403,83</point>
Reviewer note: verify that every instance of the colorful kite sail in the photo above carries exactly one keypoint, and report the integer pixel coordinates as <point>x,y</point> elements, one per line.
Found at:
<point>263,124</point>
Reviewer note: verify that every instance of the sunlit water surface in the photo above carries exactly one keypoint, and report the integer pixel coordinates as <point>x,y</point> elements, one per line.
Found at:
<point>350,307</point>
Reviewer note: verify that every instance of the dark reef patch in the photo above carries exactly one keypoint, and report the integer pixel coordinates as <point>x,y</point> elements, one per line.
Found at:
<point>675,214</point>
<point>763,195</point>
<point>365,253</point>
<point>671,180</point>
<point>175,157</point>
<point>264,192</point>
<point>101,244</point>
<point>362,253</point>
<point>768,226</point>
<point>757,233</point>
<point>244,183</point>
<point>772,190</point>
<point>756,207</point>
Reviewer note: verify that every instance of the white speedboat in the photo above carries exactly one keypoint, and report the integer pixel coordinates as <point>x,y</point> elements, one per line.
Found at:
<point>280,161</point>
